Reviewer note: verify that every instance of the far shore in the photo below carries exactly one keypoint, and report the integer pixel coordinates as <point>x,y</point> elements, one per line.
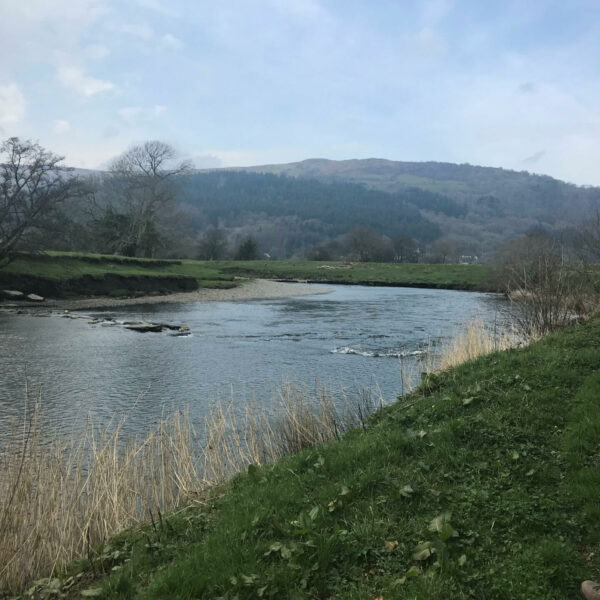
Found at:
<point>256,289</point>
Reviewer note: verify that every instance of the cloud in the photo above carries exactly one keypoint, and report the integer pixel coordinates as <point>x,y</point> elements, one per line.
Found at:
<point>76,79</point>
<point>207,161</point>
<point>427,42</point>
<point>129,113</point>
<point>137,113</point>
<point>529,87</point>
<point>158,7</point>
<point>12,104</point>
<point>144,32</point>
<point>171,42</point>
<point>61,126</point>
<point>96,52</point>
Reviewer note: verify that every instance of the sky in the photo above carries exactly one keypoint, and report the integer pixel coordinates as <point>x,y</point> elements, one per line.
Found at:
<point>510,84</point>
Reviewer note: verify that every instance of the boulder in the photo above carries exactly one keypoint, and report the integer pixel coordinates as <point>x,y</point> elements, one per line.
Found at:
<point>34,298</point>
<point>145,327</point>
<point>180,333</point>
<point>12,294</point>
<point>591,590</point>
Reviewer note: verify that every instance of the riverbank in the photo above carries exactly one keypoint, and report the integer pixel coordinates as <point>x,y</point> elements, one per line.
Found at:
<point>481,483</point>
<point>438,276</point>
<point>76,275</point>
<point>256,289</point>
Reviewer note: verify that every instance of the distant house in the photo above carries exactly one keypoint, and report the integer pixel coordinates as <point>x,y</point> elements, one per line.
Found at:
<point>468,260</point>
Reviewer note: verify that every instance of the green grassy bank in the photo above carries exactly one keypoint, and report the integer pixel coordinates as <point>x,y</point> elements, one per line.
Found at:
<point>462,277</point>
<point>484,483</point>
<point>60,274</point>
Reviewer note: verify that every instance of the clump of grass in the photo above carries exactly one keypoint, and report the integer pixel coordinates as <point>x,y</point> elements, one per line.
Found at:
<point>471,342</point>
<point>297,420</point>
<point>59,499</point>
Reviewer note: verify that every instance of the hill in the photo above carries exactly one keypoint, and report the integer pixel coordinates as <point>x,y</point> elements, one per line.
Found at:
<point>289,215</point>
<point>518,192</point>
<point>290,209</point>
<point>497,203</point>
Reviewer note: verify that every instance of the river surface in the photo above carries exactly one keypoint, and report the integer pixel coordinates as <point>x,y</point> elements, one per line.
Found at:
<point>351,338</point>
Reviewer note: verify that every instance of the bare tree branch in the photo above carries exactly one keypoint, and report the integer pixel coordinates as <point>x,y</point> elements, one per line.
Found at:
<point>32,184</point>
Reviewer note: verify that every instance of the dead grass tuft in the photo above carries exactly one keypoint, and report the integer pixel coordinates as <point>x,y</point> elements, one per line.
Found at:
<point>59,499</point>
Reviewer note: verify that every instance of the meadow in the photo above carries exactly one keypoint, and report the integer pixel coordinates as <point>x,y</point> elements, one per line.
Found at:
<point>72,271</point>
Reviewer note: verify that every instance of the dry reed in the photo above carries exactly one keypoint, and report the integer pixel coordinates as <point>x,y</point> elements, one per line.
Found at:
<point>58,499</point>
<point>469,343</point>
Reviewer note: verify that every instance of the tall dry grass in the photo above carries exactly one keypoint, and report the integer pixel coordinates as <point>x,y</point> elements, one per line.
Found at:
<point>296,420</point>
<point>58,499</point>
<point>470,342</point>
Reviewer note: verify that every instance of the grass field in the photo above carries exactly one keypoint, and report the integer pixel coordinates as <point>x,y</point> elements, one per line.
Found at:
<point>69,266</point>
<point>62,267</point>
<point>444,276</point>
<point>484,483</point>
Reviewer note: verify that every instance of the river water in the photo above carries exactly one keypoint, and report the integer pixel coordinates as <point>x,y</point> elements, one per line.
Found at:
<point>351,338</point>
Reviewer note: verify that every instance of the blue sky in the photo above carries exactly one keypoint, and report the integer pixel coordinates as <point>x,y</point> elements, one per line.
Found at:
<point>242,82</point>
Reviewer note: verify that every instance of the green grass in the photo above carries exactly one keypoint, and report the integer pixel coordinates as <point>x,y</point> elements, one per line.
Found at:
<point>484,483</point>
<point>437,275</point>
<point>68,265</point>
<point>63,266</point>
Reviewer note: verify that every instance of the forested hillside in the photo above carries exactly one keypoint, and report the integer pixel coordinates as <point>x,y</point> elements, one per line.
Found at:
<point>495,204</point>
<point>515,192</point>
<point>367,210</point>
<point>315,211</point>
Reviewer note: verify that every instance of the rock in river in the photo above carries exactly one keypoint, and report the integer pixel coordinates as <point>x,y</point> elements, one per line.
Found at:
<point>145,327</point>
<point>12,294</point>
<point>34,298</point>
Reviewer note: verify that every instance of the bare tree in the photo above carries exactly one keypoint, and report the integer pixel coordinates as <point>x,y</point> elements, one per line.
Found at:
<point>405,249</point>
<point>546,293</point>
<point>212,245</point>
<point>367,245</point>
<point>32,185</point>
<point>142,190</point>
<point>443,250</point>
<point>588,237</point>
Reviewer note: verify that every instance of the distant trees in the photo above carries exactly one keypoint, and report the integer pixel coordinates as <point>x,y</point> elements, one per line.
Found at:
<point>303,212</point>
<point>367,245</point>
<point>247,250</point>
<point>321,252</point>
<point>547,292</point>
<point>212,244</point>
<point>405,249</point>
<point>137,198</point>
<point>32,185</point>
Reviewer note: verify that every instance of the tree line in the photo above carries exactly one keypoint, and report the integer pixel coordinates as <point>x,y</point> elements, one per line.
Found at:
<point>150,203</point>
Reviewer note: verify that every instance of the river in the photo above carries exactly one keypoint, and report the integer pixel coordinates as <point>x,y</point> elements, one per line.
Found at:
<point>351,338</point>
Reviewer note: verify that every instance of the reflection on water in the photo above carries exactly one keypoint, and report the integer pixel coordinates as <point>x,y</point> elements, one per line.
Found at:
<point>352,336</point>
